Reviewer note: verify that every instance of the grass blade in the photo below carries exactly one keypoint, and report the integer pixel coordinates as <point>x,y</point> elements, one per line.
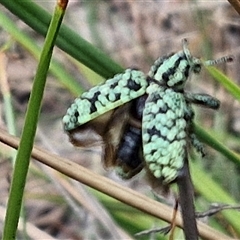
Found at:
<point>70,42</point>
<point>207,138</point>
<point>56,68</point>
<point>213,192</point>
<point>225,81</point>
<point>29,129</point>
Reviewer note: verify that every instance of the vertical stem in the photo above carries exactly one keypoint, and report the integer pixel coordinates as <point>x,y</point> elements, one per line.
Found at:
<point>30,125</point>
<point>186,201</point>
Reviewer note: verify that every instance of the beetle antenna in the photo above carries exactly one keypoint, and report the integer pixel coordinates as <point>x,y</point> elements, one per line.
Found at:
<point>219,60</point>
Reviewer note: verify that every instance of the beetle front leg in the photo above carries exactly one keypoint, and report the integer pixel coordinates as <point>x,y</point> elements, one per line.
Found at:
<point>204,100</point>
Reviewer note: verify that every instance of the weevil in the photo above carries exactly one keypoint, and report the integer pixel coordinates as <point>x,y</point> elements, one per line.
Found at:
<point>143,121</point>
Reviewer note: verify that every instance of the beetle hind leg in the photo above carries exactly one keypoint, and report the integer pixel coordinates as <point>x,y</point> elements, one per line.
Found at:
<point>197,144</point>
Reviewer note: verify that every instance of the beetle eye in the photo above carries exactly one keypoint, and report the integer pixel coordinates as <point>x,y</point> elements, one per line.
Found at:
<point>197,68</point>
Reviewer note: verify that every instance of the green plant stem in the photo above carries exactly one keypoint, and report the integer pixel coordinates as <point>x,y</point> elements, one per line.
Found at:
<point>6,93</point>
<point>213,192</point>
<point>29,129</point>
<point>207,138</point>
<point>28,43</point>
<point>225,81</point>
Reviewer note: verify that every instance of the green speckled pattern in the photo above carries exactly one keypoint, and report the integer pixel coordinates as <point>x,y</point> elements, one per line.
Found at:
<point>167,114</point>
<point>113,93</point>
<point>164,132</point>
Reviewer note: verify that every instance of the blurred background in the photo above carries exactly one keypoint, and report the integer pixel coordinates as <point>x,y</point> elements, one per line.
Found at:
<point>134,34</point>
